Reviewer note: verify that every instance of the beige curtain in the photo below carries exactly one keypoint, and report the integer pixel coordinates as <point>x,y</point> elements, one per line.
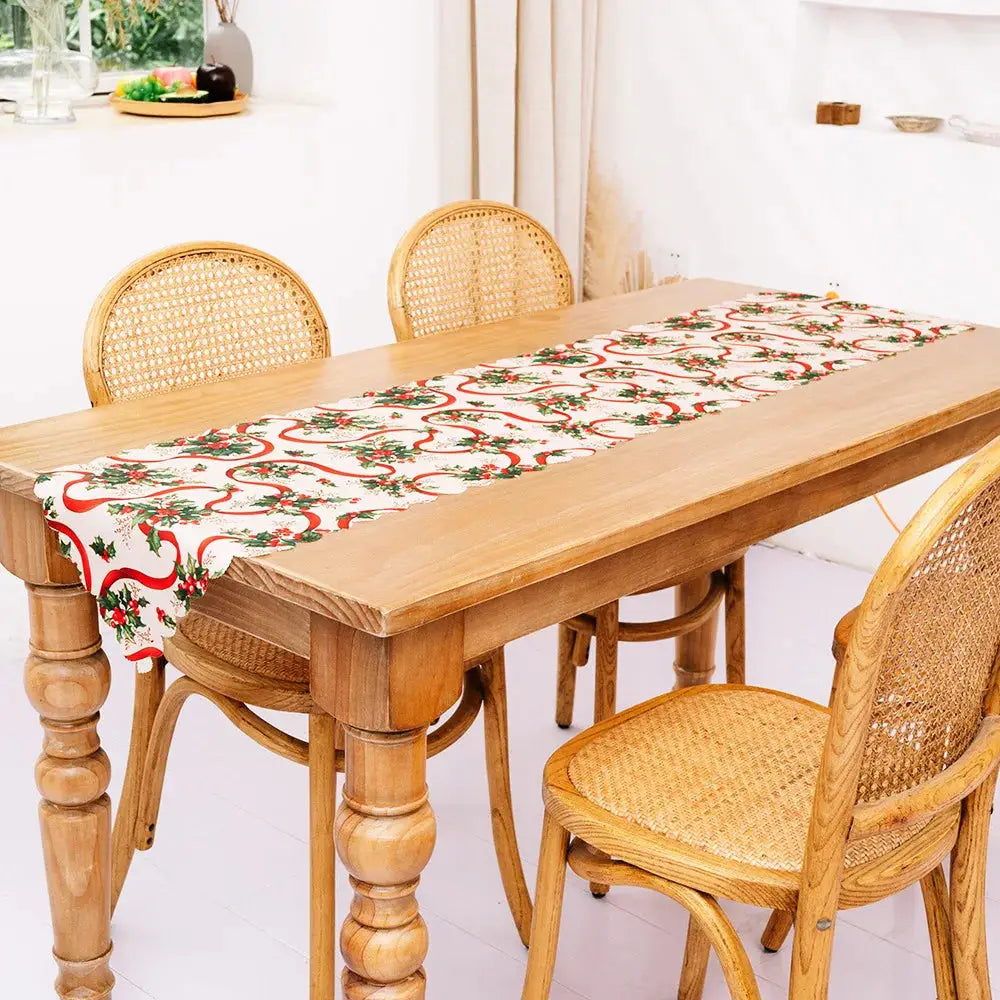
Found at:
<point>517,100</point>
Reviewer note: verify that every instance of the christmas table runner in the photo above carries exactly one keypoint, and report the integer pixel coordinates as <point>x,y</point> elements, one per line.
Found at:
<point>149,528</point>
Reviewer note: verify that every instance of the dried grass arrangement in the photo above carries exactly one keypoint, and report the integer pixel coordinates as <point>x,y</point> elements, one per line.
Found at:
<point>121,12</point>
<point>611,262</point>
<point>227,10</point>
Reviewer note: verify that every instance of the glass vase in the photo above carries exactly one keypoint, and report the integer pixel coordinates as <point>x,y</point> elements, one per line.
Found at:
<point>58,75</point>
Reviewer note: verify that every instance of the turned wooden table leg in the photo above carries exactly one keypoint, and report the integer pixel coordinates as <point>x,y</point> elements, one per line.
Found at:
<point>67,679</point>
<point>384,691</point>
<point>385,835</point>
<point>694,662</point>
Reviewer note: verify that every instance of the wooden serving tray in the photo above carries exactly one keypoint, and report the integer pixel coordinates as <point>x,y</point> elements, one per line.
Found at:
<point>170,109</point>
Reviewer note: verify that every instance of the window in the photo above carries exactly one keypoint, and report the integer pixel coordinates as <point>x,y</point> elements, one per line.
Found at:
<point>173,33</point>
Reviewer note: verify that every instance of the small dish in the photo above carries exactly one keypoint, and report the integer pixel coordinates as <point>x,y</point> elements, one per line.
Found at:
<point>983,132</point>
<point>916,123</point>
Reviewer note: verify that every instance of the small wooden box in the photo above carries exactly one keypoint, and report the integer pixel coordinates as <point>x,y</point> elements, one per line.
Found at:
<point>837,113</point>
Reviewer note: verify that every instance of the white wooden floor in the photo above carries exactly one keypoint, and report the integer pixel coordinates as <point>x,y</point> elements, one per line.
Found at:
<point>218,909</point>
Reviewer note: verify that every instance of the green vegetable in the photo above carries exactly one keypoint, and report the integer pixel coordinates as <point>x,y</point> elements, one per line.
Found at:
<point>147,89</point>
<point>195,97</point>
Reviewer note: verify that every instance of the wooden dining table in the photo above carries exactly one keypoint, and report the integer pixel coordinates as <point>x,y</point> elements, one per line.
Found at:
<point>389,613</point>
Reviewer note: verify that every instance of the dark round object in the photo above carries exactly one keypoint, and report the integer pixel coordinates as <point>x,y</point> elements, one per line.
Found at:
<point>218,80</point>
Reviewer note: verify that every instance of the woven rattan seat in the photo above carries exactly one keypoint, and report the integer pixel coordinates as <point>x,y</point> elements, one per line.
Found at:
<point>730,772</point>
<point>244,651</point>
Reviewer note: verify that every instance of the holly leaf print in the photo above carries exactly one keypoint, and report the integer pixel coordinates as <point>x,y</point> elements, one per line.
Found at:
<point>405,395</point>
<point>164,513</point>
<point>394,485</point>
<point>374,453</point>
<point>290,502</point>
<point>269,471</point>
<point>488,472</point>
<point>216,444</point>
<point>330,421</point>
<point>122,611</point>
<point>105,551</point>
<point>168,621</point>
<point>192,581</point>
<point>555,402</point>
<point>508,376</point>
<point>688,323</point>
<point>562,356</point>
<point>132,474</point>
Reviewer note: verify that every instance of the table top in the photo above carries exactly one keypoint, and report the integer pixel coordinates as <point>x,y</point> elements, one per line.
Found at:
<point>434,559</point>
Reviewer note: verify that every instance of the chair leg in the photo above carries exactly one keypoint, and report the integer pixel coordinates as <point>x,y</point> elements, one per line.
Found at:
<point>736,672</point>
<point>154,769</point>
<point>937,903</point>
<point>148,694</point>
<point>777,930</point>
<point>566,678</point>
<point>322,857</point>
<point>694,651</point>
<point>968,895</point>
<point>718,931</point>
<point>548,911</point>
<point>494,680</point>
<point>605,682</point>
<point>695,966</point>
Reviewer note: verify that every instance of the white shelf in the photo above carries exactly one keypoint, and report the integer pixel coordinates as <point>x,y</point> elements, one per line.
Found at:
<point>959,8</point>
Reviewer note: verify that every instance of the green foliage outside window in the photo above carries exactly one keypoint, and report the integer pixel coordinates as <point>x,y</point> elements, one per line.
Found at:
<point>173,34</point>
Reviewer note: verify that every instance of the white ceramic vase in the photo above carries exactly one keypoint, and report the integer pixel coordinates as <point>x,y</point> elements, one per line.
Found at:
<point>228,44</point>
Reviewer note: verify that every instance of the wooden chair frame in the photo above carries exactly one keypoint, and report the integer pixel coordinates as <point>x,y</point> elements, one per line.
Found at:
<point>234,690</point>
<point>950,813</point>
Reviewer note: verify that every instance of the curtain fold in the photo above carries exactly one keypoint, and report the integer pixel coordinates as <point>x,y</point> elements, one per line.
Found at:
<point>517,102</point>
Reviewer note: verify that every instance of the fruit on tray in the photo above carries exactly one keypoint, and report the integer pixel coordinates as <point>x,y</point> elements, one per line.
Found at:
<point>206,85</point>
<point>147,88</point>
<point>219,80</point>
<point>186,96</point>
<point>169,75</point>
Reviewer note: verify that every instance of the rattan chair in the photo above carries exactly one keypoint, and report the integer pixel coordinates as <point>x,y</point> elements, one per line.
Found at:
<point>475,262</point>
<point>201,313</point>
<point>771,800</point>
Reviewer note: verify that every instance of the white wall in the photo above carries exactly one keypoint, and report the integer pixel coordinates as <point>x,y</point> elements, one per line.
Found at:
<point>700,116</point>
<point>330,187</point>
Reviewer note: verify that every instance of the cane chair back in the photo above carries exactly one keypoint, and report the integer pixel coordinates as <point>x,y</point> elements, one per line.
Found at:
<point>474,262</point>
<point>939,657</point>
<point>198,313</point>
<point>923,652</point>
<point>914,726</point>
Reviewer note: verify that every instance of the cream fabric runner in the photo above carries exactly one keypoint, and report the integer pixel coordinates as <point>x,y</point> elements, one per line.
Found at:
<point>148,529</point>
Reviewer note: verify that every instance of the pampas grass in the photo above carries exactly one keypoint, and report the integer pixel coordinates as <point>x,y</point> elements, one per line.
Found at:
<point>611,262</point>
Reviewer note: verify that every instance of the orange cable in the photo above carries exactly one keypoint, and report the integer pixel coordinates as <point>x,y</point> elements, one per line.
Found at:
<point>888,516</point>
